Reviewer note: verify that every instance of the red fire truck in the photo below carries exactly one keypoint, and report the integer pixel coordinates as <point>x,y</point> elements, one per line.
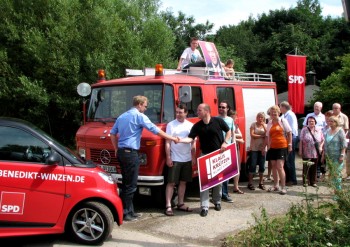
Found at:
<point>247,93</point>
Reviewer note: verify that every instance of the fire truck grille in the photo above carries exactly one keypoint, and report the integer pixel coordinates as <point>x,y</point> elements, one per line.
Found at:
<point>106,159</point>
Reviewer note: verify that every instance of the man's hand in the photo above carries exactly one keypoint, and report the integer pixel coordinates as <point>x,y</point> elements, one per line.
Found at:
<point>176,140</point>
<point>223,147</point>
<point>169,162</point>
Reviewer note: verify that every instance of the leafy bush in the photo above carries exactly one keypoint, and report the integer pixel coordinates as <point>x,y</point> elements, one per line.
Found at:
<point>310,223</point>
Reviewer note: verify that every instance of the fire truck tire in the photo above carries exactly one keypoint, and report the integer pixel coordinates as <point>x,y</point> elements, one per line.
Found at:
<point>90,223</point>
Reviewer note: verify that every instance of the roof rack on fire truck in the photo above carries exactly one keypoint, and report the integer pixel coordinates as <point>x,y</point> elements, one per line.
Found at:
<point>201,72</point>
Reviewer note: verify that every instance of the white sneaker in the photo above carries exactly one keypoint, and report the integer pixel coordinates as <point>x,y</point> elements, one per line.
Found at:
<point>348,178</point>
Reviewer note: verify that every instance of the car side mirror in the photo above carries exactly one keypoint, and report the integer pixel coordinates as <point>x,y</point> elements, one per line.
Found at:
<point>54,159</point>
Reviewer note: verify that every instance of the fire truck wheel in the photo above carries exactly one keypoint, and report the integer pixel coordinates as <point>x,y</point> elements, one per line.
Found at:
<point>90,223</point>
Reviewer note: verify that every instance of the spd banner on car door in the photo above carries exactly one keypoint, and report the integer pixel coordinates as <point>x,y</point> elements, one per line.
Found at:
<point>217,167</point>
<point>296,67</point>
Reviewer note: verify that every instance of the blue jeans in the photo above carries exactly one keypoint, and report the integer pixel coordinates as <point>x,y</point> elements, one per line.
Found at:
<point>290,163</point>
<point>129,164</point>
<point>225,188</point>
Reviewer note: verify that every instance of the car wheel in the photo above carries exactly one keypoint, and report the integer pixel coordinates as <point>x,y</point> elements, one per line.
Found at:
<point>90,223</point>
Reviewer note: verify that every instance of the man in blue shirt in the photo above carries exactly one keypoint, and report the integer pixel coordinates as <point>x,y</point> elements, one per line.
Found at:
<point>129,126</point>
<point>223,109</point>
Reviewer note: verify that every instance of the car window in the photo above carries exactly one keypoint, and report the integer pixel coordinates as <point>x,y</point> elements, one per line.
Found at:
<point>18,145</point>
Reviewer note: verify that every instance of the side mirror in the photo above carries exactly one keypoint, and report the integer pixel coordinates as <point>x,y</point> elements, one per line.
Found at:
<point>185,94</point>
<point>53,159</point>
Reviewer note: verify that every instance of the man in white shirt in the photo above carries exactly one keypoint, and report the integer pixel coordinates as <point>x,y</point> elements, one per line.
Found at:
<point>318,115</point>
<point>291,118</point>
<point>190,56</point>
<point>179,159</point>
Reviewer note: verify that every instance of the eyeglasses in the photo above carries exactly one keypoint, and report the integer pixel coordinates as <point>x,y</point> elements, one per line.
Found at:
<point>222,107</point>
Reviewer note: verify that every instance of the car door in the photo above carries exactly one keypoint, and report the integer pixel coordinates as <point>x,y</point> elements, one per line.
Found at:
<point>28,186</point>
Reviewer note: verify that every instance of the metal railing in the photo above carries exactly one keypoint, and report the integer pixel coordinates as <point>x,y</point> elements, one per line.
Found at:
<point>204,73</point>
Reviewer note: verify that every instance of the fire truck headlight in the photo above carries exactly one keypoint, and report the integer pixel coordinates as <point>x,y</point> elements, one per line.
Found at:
<point>143,159</point>
<point>82,153</point>
<point>106,177</point>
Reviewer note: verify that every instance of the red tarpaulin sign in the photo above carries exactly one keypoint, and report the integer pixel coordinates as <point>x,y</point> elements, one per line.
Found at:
<point>296,68</point>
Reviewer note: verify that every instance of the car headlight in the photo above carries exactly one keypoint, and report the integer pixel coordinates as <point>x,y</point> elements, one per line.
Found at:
<point>106,177</point>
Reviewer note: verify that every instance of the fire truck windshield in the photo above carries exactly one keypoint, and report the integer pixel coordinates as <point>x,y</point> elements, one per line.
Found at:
<point>108,103</point>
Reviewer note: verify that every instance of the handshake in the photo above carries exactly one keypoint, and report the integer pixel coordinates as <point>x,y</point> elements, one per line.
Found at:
<point>176,139</point>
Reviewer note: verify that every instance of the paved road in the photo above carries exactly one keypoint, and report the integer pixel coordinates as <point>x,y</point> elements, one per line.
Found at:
<point>155,229</point>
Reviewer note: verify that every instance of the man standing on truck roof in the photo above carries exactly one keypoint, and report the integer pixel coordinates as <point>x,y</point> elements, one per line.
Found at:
<point>129,126</point>
<point>191,56</point>
<point>179,159</point>
<point>209,130</point>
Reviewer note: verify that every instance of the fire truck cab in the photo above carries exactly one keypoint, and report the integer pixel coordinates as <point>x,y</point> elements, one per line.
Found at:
<point>247,93</point>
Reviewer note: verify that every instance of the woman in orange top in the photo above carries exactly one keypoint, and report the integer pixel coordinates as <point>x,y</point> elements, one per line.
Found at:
<point>279,143</point>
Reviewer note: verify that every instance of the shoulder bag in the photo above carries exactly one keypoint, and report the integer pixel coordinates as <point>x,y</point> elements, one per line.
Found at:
<point>317,144</point>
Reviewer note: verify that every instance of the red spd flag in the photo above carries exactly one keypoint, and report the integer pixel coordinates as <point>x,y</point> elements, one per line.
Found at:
<point>296,68</point>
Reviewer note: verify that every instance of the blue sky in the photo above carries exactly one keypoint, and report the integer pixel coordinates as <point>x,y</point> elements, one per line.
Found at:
<point>231,12</point>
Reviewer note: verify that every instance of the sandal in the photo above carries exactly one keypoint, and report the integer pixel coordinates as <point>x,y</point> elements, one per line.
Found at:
<point>262,187</point>
<point>169,211</point>
<point>238,191</point>
<point>251,187</point>
<point>273,189</point>
<point>181,208</point>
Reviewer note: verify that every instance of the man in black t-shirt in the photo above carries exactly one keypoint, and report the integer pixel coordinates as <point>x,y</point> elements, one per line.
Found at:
<point>210,132</point>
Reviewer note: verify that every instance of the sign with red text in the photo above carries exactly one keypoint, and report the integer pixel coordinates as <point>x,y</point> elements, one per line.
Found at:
<point>296,67</point>
<point>217,167</point>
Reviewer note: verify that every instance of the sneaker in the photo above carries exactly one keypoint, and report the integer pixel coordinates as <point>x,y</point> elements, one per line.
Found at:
<point>273,189</point>
<point>227,199</point>
<point>129,218</point>
<point>217,207</point>
<point>283,191</point>
<point>348,178</point>
<point>204,212</point>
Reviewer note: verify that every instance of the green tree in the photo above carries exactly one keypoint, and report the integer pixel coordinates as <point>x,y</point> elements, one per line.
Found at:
<point>48,47</point>
<point>336,87</point>
<point>263,43</point>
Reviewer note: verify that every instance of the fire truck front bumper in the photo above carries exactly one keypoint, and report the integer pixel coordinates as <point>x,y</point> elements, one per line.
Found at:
<point>144,183</point>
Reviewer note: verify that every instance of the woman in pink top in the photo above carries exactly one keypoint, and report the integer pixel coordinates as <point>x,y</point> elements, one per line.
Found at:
<point>307,150</point>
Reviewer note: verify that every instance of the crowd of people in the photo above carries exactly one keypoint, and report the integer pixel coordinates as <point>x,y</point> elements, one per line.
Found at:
<point>322,143</point>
